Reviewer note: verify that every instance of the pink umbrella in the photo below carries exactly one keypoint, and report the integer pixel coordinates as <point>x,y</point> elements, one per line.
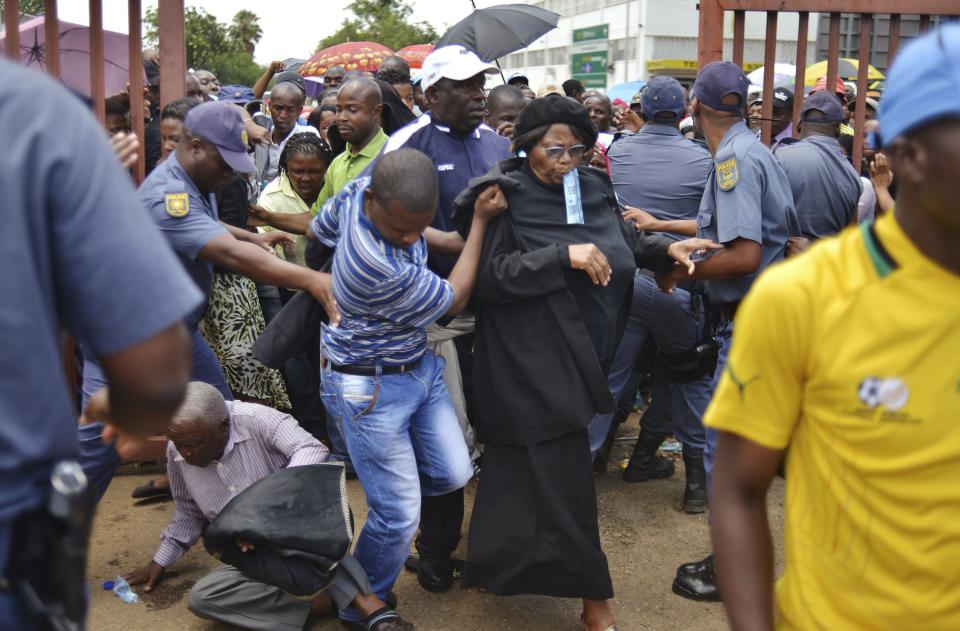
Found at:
<point>363,56</point>
<point>75,55</point>
<point>415,54</point>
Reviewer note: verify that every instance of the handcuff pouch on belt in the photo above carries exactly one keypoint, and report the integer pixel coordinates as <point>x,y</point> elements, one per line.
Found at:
<point>48,554</point>
<point>701,360</point>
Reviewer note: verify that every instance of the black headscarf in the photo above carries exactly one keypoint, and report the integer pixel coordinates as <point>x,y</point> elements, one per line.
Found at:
<point>555,109</point>
<point>396,114</point>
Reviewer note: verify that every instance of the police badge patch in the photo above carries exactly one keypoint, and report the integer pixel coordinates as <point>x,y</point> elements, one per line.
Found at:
<point>727,174</point>
<point>178,204</point>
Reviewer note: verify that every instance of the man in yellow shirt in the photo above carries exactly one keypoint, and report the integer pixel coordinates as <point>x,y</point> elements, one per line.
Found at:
<point>847,360</point>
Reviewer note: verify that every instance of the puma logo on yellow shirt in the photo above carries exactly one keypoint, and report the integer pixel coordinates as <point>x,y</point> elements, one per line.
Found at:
<point>741,385</point>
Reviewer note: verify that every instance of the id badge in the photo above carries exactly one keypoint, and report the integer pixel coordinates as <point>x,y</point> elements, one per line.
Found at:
<point>571,194</point>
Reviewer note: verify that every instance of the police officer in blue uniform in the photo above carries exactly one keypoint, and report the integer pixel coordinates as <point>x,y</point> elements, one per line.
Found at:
<point>80,255</point>
<point>180,196</point>
<point>660,176</point>
<point>826,187</point>
<point>748,207</point>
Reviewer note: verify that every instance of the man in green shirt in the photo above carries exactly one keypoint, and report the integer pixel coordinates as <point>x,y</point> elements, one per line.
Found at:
<point>359,104</point>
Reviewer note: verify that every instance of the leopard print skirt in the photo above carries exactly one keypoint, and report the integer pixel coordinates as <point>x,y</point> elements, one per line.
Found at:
<point>231,324</point>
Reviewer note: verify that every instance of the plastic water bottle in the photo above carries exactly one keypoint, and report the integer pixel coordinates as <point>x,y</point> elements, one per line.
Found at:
<point>122,589</point>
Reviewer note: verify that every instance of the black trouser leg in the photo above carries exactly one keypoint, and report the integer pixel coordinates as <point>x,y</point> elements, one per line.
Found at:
<point>440,520</point>
<point>441,517</point>
<point>464,345</point>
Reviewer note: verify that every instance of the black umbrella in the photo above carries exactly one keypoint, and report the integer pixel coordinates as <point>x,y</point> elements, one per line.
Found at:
<point>500,30</point>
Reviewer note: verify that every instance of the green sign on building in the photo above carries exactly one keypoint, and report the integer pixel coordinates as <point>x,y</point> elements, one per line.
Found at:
<point>590,56</point>
<point>590,33</point>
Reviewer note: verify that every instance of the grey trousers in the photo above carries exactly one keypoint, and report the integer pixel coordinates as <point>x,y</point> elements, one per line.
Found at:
<point>227,596</point>
<point>440,340</point>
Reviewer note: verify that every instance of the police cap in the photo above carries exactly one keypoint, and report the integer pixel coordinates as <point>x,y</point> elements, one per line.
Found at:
<point>221,124</point>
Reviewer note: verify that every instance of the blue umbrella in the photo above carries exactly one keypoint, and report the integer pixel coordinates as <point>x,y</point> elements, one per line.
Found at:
<point>625,91</point>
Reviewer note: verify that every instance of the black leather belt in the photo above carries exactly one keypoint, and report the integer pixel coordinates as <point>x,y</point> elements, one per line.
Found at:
<point>371,371</point>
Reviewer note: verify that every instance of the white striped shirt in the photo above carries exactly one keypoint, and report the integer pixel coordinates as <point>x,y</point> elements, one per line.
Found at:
<point>386,295</point>
<point>261,441</point>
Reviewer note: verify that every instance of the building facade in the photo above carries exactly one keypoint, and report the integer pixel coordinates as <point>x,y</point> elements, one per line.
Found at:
<point>643,38</point>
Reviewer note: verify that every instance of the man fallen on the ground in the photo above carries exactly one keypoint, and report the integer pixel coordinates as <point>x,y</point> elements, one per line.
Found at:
<point>217,449</point>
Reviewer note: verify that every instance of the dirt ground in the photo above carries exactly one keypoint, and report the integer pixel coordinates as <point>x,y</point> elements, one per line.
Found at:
<point>645,537</point>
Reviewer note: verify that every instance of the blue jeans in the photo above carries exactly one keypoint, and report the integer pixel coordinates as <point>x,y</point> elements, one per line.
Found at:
<point>668,318</point>
<point>100,460</point>
<point>711,450</point>
<point>403,437</point>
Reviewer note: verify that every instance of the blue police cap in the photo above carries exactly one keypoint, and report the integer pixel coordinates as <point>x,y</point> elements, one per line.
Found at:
<point>663,94</point>
<point>221,124</point>
<point>718,80</point>
<point>923,84</point>
<point>236,94</point>
<point>828,105</point>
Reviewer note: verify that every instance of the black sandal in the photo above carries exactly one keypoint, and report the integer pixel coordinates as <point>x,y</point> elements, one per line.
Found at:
<point>383,619</point>
<point>150,489</point>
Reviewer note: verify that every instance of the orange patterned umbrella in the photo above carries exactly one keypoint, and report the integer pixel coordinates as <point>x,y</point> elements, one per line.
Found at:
<point>415,54</point>
<point>363,56</point>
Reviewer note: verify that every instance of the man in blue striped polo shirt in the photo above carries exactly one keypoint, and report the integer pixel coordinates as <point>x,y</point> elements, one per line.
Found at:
<point>386,391</point>
<point>453,135</point>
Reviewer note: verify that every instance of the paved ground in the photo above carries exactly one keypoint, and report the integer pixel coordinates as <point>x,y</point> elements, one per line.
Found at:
<point>644,533</point>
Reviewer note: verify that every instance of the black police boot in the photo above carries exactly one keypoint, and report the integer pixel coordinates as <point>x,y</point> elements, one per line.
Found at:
<point>695,491</point>
<point>645,464</point>
<point>697,581</point>
<point>435,575</point>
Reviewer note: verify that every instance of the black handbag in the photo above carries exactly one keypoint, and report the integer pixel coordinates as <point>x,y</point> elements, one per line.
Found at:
<point>299,523</point>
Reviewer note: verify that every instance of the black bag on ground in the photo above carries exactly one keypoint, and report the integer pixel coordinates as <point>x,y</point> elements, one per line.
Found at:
<point>299,523</point>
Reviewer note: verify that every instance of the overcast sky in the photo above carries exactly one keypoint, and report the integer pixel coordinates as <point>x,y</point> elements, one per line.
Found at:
<point>291,28</point>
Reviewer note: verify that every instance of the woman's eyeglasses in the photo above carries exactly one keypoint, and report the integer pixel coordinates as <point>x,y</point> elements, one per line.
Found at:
<point>575,152</point>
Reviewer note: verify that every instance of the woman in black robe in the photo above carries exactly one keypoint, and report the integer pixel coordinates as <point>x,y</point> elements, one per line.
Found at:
<point>553,291</point>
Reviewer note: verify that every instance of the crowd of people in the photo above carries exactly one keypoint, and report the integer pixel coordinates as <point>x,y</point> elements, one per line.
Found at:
<point>420,281</point>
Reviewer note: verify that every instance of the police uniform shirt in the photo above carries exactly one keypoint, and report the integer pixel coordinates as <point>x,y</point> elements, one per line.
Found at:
<point>661,172</point>
<point>826,188</point>
<point>458,159</point>
<point>78,253</point>
<point>188,219</point>
<point>747,196</point>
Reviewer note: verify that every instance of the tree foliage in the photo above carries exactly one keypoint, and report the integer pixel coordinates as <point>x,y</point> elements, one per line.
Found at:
<point>386,22</point>
<point>26,7</point>
<point>245,30</point>
<point>211,45</point>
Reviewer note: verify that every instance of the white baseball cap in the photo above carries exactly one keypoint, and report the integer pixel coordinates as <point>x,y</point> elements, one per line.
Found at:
<point>452,62</point>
